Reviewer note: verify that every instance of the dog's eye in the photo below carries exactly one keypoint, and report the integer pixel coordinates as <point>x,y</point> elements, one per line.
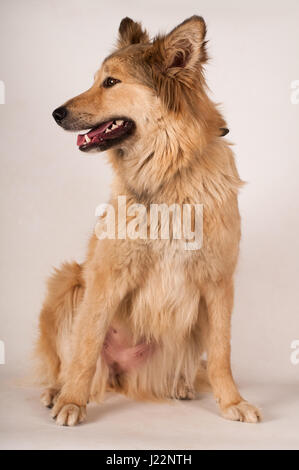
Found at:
<point>110,81</point>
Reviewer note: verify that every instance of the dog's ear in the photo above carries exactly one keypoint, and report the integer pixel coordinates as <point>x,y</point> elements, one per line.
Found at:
<point>184,47</point>
<point>175,61</point>
<point>130,32</point>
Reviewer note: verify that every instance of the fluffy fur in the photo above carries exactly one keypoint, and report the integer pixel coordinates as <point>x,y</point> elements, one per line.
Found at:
<point>151,292</point>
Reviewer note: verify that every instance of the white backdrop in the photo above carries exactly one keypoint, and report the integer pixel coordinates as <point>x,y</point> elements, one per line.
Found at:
<point>49,190</point>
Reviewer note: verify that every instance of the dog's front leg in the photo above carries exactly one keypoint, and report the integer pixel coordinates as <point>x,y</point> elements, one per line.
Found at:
<point>105,289</point>
<point>219,298</point>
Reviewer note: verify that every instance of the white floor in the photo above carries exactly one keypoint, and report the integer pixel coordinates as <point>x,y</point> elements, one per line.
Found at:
<point>122,424</point>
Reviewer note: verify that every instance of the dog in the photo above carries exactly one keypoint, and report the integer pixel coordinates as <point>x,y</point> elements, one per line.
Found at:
<point>139,314</point>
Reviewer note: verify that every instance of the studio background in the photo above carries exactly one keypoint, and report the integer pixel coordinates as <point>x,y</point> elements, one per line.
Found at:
<point>49,191</point>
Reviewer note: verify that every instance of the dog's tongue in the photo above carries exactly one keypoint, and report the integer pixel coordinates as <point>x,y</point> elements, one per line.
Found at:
<point>94,135</point>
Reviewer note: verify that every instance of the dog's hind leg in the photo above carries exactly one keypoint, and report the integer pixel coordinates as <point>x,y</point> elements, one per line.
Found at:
<point>49,396</point>
<point>202,383</point>
<point>65,292</point>
<point>183,391</point>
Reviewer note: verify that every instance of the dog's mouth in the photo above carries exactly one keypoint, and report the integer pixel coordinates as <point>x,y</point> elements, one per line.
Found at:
<point>106,134</point>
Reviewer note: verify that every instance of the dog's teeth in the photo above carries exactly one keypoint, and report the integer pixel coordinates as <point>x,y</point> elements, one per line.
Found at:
<point>119,122</point>
<point>107,130</point>
<point>87,139</point>
<point>114,126</point>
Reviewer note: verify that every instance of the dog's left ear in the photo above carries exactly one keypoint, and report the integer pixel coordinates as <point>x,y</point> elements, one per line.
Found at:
<point>130,32</point>
<point>184,47</point>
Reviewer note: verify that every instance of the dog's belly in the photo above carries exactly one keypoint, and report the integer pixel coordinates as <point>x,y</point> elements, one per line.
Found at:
<point>120,353</point>
<point>162,311</point>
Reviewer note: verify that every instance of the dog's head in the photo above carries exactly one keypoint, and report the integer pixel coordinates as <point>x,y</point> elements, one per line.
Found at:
<point>139,82</point>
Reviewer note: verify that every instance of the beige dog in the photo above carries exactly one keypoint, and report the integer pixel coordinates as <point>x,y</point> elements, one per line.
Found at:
<point>138,314</point>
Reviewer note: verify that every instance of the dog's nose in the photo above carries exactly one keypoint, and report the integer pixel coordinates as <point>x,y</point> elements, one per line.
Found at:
<point>59,114</point>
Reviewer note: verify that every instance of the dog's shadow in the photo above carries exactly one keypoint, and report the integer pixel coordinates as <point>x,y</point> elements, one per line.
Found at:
<point>112,404</point>
<point>271,395</point>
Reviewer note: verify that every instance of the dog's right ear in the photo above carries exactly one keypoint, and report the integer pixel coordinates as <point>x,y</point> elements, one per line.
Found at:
<point>130,32</point>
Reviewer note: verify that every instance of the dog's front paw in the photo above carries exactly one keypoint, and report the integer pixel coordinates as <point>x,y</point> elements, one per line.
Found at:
<point>242,411</point>
<point>68,414</point>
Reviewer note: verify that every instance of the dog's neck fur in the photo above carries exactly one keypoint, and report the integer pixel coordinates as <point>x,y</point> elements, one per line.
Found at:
<point>177,153</point>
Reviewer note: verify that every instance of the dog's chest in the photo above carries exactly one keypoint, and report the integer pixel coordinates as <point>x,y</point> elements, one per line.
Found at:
<point>168,300</point>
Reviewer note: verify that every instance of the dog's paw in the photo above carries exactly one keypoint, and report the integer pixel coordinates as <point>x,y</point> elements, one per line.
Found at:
<point>49,397</point>
<point>243,411</point>
<point>183,392</point>
<point>186,394</point>
<point>68,414</point>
